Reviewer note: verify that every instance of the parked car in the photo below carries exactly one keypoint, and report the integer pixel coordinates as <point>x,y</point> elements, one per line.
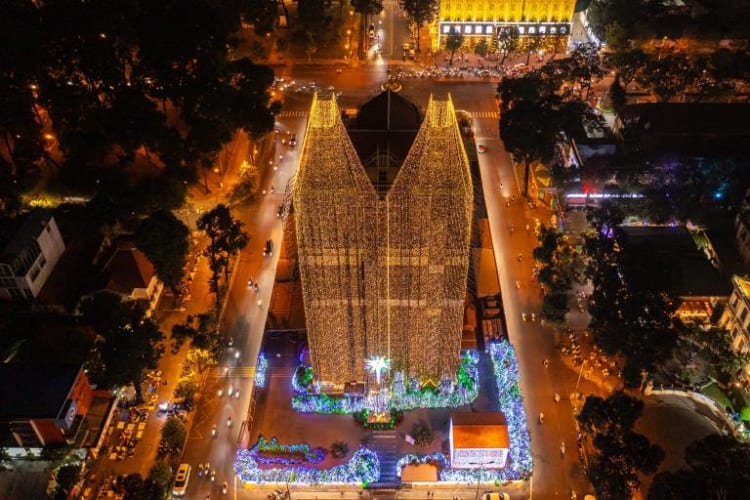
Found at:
<point>292,140</point>
<point>268,250</point>
<point>371,31</point>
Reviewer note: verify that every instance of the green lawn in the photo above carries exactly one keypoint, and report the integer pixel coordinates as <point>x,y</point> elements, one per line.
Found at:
<point>714,392</point>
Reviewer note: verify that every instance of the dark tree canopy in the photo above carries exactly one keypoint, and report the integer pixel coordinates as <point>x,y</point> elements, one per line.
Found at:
<point>420,11</point>
<point>718,468</point>
<point>164,240</point>
<point>226,239</point>
<point>621,454</point>
<point>98,70</point>
<point>128,342</point>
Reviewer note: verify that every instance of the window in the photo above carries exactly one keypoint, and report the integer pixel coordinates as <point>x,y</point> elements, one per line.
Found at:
<point>34,273</point>
<point>743,315</point>
<point>42,261</point>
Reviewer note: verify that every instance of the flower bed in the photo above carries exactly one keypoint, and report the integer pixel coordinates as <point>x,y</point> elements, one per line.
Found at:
<point>363,468</point>
<point>520,464</point>
<point>404,396</point>
<point>271,452</point>
<point>395,418</point>
<point>411,459</point>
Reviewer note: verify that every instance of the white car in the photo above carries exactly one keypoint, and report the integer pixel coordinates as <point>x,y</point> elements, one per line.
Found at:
<point>181,480</point>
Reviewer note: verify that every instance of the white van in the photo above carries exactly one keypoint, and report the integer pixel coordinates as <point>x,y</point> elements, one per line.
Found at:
<point>181,480</point>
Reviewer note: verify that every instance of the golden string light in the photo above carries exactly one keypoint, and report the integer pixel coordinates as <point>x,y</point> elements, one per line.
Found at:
<point>383,277</point>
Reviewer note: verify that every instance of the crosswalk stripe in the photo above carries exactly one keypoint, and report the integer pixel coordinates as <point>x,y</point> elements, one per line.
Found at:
<point>292,114</point>
<point>235,371</point>
<point>486,114</point>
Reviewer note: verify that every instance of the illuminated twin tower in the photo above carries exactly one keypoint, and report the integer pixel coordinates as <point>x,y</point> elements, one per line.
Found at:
<point>383,242</point>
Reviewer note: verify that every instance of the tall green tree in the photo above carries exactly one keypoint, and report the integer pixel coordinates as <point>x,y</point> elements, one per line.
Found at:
<point>529,131</point>
<point>717,468</point>
<point>453,42</point>
<point>616,36</point>
<point>262,14</point>
<point>627,64</point>
<point>365,9</point>
<point>161,474</point>
<point>200,329</point>
<point>66,477</point>
<point>421,12</point>
<point>127,341</point>
<point>617,92</point>
<point>173,434</point>
<point>507,42</point>
<point>621,453</point>
<point>226,239</point>
<point>164,240</point>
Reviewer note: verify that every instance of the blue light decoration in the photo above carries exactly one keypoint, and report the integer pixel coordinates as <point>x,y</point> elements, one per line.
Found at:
<point>260,371</point>
<point>411,459</point>
<point>404,396</point>
<point>520,464</point>
<point>363,468</point>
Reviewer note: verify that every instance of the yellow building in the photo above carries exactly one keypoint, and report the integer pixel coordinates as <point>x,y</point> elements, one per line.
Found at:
<point>483,18</point>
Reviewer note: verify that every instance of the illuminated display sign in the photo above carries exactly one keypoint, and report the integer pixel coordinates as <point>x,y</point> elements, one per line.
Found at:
<point>489,458</point>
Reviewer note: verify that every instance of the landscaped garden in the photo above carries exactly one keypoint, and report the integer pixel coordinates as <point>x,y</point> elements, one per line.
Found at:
<point>272,461</point>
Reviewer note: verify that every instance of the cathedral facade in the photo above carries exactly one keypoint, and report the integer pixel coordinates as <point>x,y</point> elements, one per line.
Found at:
<point>383,257</point>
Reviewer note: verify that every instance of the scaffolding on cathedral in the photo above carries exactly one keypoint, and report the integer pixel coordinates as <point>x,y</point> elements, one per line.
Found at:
<point>383,276</point>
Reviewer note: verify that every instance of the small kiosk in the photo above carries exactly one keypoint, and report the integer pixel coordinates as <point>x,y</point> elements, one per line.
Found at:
<point>478,440</point>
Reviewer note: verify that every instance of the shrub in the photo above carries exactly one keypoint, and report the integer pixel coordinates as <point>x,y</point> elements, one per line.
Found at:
<point>422,433</point>
<point>339,449</point>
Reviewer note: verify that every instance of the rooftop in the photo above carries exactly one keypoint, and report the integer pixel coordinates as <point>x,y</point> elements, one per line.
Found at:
<point>479,430</point>
<point>655,255</point>
<point>35,390</point>
<point>126,268</point>
<point>689,128</point>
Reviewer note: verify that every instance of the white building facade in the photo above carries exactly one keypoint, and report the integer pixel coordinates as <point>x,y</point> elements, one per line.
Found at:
<point>29,257</point>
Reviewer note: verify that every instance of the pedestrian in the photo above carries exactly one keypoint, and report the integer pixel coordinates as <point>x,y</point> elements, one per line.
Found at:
<point>557,398</point>
<point>545,362</point>
<point>541,417</point>
<point>562,448</point>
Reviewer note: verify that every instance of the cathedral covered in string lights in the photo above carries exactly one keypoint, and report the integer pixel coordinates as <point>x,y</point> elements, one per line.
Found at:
<point>382,215</point>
